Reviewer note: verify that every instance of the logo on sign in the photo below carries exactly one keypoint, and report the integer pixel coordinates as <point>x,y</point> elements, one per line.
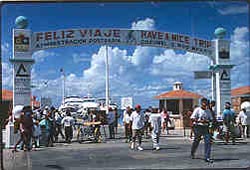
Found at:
<point>225,75</point>
<point>21,43</point>
<point>22,71</point>
<point>224,54</point>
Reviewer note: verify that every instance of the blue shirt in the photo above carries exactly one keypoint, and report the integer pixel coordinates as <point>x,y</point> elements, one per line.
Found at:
<point>228,115</point>
<point>111,118</point>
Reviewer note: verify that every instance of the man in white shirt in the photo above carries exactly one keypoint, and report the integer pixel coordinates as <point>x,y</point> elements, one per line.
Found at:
<point>155,123</point>
<point>68,123</point>
<point>127,124</point>
<point>138,120</point>
<point>201,118</point>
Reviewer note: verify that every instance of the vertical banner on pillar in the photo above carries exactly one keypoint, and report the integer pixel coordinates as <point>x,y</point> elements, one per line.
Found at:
<point>22,44</point>
<point>22,90</point>
<point>22,55</point>
<point>225,85</point>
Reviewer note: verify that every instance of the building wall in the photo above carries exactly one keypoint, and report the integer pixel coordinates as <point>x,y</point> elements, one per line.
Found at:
<point>237,101</point>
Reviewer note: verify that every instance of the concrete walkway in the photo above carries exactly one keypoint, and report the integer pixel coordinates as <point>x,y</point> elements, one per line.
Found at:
<point>115,154</point>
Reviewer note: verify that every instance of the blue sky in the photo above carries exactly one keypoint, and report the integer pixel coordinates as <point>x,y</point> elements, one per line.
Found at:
<point>141,72</point>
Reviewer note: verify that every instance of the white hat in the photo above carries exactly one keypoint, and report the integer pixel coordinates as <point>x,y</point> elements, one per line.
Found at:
<point>17,110</point>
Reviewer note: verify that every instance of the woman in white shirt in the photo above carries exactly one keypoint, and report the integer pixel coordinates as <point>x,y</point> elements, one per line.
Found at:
<point>243,122</point>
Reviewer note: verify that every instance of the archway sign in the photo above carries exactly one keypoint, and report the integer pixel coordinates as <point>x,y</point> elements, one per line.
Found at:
<point>26,43</point>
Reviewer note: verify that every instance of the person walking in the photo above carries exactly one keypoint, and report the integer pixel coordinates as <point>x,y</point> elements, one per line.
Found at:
<point>243,117</point>
<point>214,124</point>
<point>127,124</point>
<point>147,126</point>
<point>201,118</point>
<point>228,117</point>
<point>58,125</point>
<point>165,119</point>
<point>68,123</point>
<point>36,134</point>
<point>26,125</point>
<point>155,123</point>
<point>117,116</point>
<point>111,123</point>
<point>138,120</point>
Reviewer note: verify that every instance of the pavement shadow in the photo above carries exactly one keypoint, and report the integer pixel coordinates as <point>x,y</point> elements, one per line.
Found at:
<point>236,143</point>
<point>162,148</point>
<point>225,159</point>
<point>54,167</point>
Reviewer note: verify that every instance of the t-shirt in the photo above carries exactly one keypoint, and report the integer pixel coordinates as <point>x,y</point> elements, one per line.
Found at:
<point>138,120</point>
<point>111,118</point>
<point>155,121</point>
<point>228,116</point>
<point>68,121</point>
<point>201,114</point>
<point>126,117</point>
<point>243,118</point>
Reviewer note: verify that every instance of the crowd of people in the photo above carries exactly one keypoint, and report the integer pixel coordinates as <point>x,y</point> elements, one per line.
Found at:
<point>137,124</point>
<point>47,123</point>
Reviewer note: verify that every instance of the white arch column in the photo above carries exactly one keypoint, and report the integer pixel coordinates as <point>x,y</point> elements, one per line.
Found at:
<point>222,70</point>
<point>22,63</point>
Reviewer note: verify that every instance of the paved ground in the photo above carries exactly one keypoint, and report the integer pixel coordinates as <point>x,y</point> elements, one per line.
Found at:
<point>114,154</point>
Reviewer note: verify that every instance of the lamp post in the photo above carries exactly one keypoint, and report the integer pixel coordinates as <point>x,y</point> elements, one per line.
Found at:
<point>32,86</point>
<point>63,85</point>
<point>107,81</point>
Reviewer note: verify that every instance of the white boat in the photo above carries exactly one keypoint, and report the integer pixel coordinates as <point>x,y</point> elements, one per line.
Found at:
<point>102,103</point>
<point>90,103</point>
<point>73,101</point>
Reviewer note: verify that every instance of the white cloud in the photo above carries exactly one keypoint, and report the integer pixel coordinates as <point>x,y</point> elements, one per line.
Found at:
<point>233,10</point>
<point>40,55</point>
<point>7,75</point>
<point>147,24</point>
<point>5,48</point>
<point>239,51</point>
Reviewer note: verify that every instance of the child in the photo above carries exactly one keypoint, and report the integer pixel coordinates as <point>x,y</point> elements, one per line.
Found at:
<point>36,134</point>
<point>155,122</point>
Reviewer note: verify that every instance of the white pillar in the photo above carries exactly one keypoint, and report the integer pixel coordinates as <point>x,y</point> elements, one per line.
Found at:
<point>222,74</point>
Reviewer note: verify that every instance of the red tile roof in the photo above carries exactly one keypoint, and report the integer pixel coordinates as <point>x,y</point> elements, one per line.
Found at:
<point>178,94</point>
<point>244,90</point>
<point>8,95</point>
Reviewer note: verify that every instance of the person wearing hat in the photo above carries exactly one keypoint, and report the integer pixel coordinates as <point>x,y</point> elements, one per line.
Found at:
<point>201,118</point>
<point>138,120</point>
<point>228,117</point>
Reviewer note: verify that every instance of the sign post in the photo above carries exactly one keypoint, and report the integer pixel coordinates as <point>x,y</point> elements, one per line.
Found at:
<point>22,62</point>
<point>126,101</point>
